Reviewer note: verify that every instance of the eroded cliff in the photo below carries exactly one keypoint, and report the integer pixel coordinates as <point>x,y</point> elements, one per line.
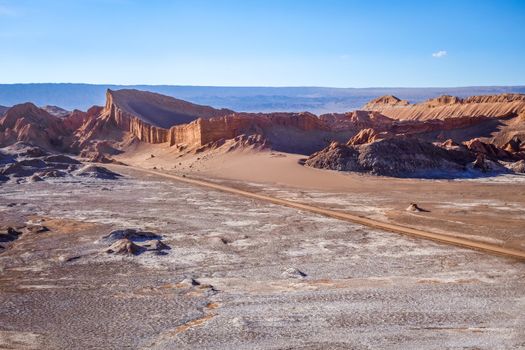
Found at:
<point>443,107</point>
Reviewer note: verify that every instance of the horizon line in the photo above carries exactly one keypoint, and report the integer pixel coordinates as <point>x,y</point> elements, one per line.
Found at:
<point>271,86</point>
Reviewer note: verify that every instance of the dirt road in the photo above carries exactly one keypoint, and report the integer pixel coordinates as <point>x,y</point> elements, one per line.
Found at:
<point>442,238</point>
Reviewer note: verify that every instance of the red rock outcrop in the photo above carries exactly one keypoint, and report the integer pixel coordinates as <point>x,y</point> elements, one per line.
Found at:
<point>27,122</point>
<point>145,115</point>
<point>382,101</point>
<point>158,110</point>
<point>487,149</point>
<point>367,136</point>
<point>356,120</point>
<point>399,156</point>
<point>443,107</point>
<point>205,131</point>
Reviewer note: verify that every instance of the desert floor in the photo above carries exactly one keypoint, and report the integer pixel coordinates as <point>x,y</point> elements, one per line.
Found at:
<point>244,274</point>
<point>490,209</point>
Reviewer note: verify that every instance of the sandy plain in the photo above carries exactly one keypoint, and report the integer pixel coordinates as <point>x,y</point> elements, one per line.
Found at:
<point>240,274</point>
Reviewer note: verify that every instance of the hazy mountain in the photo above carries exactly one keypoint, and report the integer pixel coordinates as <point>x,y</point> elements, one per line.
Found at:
<point>3,109</point>
<point>251,99</point>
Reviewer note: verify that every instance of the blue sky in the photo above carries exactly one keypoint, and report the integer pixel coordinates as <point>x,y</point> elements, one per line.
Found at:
<point>264,43</point>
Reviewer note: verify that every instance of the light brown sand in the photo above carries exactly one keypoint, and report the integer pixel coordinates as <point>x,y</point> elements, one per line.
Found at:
<point>487,210</point>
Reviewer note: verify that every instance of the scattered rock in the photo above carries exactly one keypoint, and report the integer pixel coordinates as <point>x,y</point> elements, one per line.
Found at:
<point>292,272</point>
<point>36,229</point>
<point>63,258</point>
<point>9,235</point>
<point>125,247</point>
<point>97,172</point>
<point>23,168</point>
<point>159,245</point>
<point>24,149</point>
<point>131,234</point>
<point>518,167</point>
<point>34,152</point>
<point>413,207</point>
<point>35,178</point>
<point>60,158</point>
<point>189,282</point>
<point>35,163</point>
<point>480,163</point>
<point>219,240</point>
<point>51,173</point>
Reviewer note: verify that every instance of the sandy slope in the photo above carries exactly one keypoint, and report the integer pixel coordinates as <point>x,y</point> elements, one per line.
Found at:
<point>490,210</point>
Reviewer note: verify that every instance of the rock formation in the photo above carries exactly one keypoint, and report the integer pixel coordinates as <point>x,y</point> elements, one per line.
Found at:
<point>383,101</point>
<point>367,136</point>
<point>97,172</point>
<point>285,131</point>
<point>130,117</point>
<point>399,156</point>
<point>124,247</point>
<point>26,122</point>
<point>493,106</point>
<point>56,111</point>
<point>413,207</point>
<point>488,150</point>
<point>145,115</point>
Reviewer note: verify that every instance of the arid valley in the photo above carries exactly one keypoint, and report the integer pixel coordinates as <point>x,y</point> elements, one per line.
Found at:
<point>262,175</point>
<point>155,223</point>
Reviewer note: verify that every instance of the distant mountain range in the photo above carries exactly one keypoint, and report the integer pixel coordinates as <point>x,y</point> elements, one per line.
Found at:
<point>317,100</point>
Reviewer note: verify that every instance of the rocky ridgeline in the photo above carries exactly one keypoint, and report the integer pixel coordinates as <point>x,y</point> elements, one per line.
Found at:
<point>136,116</point>
<point>442,107</point>
<point>387,154</point>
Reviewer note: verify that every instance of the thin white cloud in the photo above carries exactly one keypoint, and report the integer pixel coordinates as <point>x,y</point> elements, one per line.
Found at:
<point>439,54</point>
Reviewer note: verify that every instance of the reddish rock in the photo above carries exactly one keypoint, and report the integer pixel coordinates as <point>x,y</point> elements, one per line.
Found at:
<point>367,136</point>
<point>491,106</point>
<point>124,247</point>
<point>26,122</point>
<point>487,149</point>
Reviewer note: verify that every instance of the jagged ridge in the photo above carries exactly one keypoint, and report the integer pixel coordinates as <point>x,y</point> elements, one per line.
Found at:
<point>494,106</point>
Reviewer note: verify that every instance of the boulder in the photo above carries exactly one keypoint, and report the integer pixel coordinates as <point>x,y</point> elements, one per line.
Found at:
<point>36,229</point>
<point>131,234</point>
<point>413,207</point>
<point>292,272</point>
<point>124,247</point>
<point>35,178</point>
<point>10,234</point>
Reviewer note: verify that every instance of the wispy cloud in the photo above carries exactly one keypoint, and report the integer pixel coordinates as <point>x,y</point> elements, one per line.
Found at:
<point>439,54</point>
